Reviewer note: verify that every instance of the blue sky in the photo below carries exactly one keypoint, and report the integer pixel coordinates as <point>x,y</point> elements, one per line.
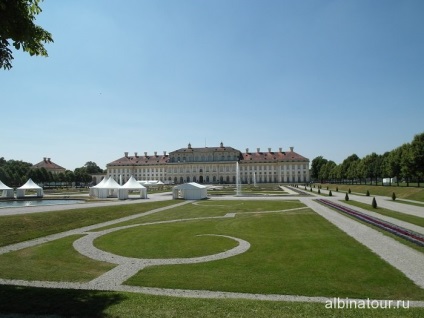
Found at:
<point>330,78</point>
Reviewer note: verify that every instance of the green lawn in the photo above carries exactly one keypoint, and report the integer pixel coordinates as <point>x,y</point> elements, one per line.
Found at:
<point>411,193</point>
<point>296,254</point>
<point>393,214</point>
<point>53,261</point>
<point>95,304</point>
<point>18,228</point>
<point>293,253</point>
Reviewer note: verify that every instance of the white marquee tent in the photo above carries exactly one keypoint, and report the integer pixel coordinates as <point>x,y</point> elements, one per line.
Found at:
<point>6,192</point>
<point>189,191</point>
<point>94,190</point>
<point>108,187</point>
<point>131,184</point>
<point>29,185</point>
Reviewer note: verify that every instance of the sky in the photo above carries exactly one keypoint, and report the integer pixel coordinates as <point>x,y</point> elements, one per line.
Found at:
<point>329,78</point>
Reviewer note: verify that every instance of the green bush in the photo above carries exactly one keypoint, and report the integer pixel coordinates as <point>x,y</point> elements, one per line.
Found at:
<point>337,189</point>
<point>319,191</point>
<point>349,191</point>
<point>346,197</point>
<point>368,193</point>
<point>393,196</point>
<point>374,203</point>
<point>330,194</point>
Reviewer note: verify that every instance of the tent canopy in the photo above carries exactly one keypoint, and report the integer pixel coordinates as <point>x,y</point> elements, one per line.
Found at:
<point>189,191</point>
<point>5,191</point>
<point>29,185</point>
<point>108,187</point>
<point>131,184</point>
<point>4,187</point>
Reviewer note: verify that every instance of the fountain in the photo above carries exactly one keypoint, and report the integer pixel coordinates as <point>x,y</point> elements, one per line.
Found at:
<point>254,179</point>
<point>238,183</point>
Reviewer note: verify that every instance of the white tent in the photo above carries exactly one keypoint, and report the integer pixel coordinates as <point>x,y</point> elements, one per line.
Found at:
<point>29,185</point>
<point>151,183</point>
<point>94,190</point>
<point>108,189</point>
<point>131,184</point>
<point>189,191</point>
<point>6,192</point>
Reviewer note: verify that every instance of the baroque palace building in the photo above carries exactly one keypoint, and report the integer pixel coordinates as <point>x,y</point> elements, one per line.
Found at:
<point>213,165</point>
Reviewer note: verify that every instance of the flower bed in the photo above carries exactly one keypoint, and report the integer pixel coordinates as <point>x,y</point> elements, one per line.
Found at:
<point>411,236</point>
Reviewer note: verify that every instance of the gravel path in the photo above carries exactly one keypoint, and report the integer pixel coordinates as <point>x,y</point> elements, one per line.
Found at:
<point>407,260</point>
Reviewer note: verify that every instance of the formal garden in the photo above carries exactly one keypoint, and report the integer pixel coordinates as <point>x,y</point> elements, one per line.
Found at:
<point>293,251</point>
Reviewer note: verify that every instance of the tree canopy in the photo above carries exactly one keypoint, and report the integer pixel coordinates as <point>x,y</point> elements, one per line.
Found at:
<point>17,26</point>
<point>15,173</point>
<point>405,162</point>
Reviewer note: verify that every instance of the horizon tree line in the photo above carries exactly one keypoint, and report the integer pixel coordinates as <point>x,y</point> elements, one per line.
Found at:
<point>14,173</point>
<point>405,163</point>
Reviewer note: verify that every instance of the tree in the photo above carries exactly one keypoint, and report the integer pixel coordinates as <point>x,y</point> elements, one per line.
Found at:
<point>417,152</point>
<point>374,203</point>
<point>407,165</point>
<point>393,164</point>
<point>316,165</point>
<point>348,172</point>
<point>92,168</point>
<point>17,24</point>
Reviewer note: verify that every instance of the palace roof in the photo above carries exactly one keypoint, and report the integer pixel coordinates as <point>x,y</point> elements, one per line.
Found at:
<point>48,165</point>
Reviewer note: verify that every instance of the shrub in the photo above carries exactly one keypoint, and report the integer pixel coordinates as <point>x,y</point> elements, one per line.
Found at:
<point>319,191</point>
<point>368,193</point>
<point>337,189</point>
<point>374,203</point>
<point>393,196</point>
<point>346,197</point>
<point>349,191</point>
<point>330,194</point>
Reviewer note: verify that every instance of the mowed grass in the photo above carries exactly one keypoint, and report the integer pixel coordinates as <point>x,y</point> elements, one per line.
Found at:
<point>213,208</point>
<point>294,252</point>
<point>18,228</point>
<point>387,212</point>
<point>84,303</point>
<point>410,193</point>
<point>52,261</point>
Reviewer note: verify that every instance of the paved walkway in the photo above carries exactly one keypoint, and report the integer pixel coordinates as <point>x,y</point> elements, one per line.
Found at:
<point>402,257</point>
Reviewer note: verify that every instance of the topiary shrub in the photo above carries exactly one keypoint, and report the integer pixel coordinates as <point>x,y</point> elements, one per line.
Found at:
<point>393,196</point>
<point>337,189</point>
<point>330,194</point>
<point>319,191</point>
<point>346,197</point>
<point>368,193</point>
<point>374,203</point>
<point>349,191</point>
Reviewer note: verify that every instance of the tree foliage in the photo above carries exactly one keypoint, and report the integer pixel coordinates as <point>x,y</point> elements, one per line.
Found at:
<point>405,162</point>
<point>15,173</point>
<point>17,28</point>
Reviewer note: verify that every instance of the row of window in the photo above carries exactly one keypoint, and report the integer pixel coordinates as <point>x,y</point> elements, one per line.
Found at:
<point>207,169</point>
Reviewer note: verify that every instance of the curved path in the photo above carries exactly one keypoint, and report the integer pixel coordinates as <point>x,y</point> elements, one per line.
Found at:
<point>400,256</point>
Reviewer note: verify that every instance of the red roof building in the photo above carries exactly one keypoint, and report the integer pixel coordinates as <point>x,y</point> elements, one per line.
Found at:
<point>213,165</point>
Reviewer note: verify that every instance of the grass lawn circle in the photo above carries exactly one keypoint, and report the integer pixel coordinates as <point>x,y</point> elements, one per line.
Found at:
<point>164,241</point>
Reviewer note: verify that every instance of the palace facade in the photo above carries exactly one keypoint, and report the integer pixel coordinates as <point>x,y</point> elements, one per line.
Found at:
<point>213,165</point>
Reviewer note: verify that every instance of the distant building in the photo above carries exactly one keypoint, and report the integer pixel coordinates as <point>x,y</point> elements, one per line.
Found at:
<point>213,165</point>
<point>50,166</point>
